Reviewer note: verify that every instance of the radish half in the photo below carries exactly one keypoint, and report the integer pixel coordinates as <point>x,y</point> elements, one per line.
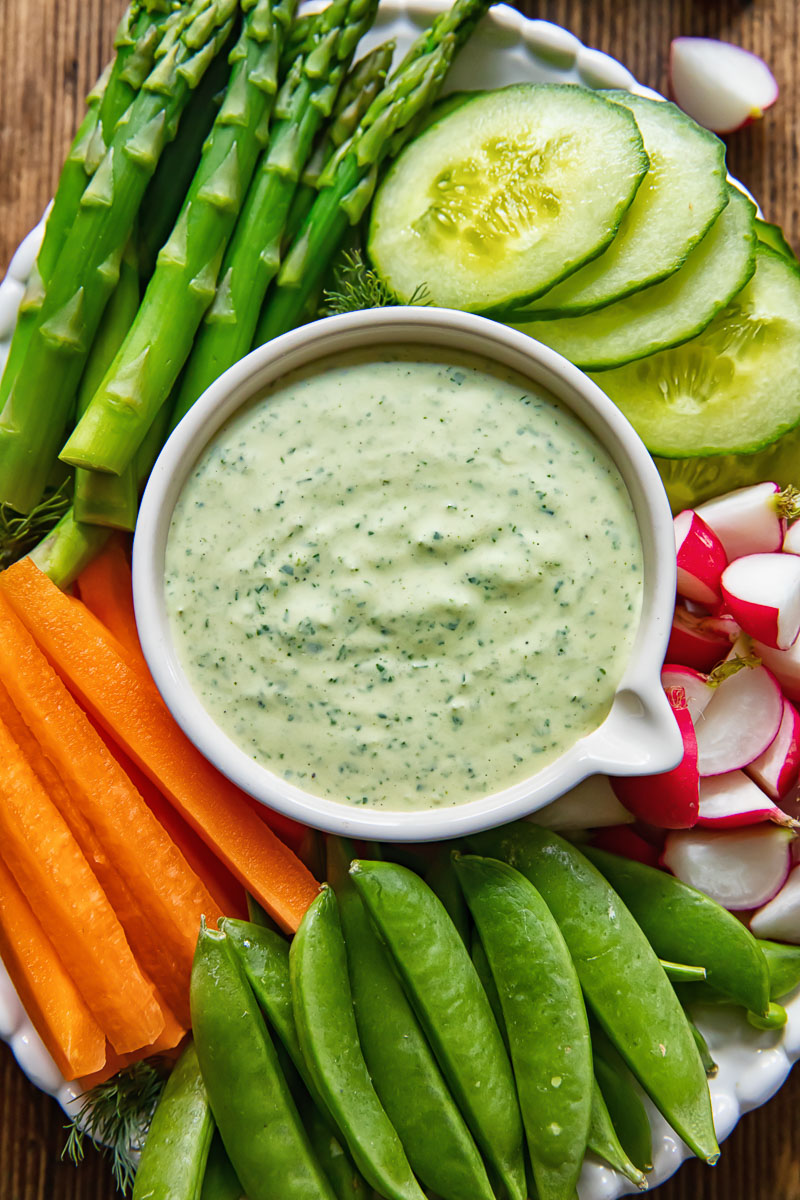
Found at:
<point>784,665</point>
<point>700,641</point>
<point>739,868</point>
<point>780,918</point>
<point>791,543</point>
<point>701,558</point>
<point>762,593</point>
<point>721,85</point>
<point>668,800</point>
<point>739,722</point>
<point>733,800</point>
<point>693,684</point>
<point>777,770</point>
<point>590,805</point>
<point>746,521</point>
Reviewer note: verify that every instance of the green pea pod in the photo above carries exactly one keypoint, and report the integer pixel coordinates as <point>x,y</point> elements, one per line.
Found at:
<point>174,1157</point>
<point>452,1008</point>
<point>622,980</point>
<point>623,1102</point>
<point>403,1069</point>
<point>481,964</point>
<point>784,967</point>
<point>604,1141</point>
<point>441,878</point>
<point>681,973</point>
<point>326,1028</point>
<point>250,1099</point>
<point>775,1018</point>
<point>545,1017</point>
<point>682,924</point>
<point>709,1065</point>
<point>220,1181</point>
<point>346,1181</point>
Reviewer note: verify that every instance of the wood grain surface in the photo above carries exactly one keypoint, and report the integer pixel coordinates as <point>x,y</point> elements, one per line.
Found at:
<point>50,53</point>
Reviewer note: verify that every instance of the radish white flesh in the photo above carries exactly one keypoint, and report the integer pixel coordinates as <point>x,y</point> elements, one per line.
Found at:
<point>700,641</point>
<point>701,558</point>
<point>780,918</point>
<point>721,85</point>
<point>791,543</point>
<point>731,800</point>
<point>695,687</point>
<point>590,805</point>
<point>784,664</point>
<point>668,800</point>
<point>777,770</point>
<point>739,722</point>
<point>746,521</point>
<point>739,868</point>
<point>762,593</point>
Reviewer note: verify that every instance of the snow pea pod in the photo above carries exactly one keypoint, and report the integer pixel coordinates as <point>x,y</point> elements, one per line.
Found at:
<point>220,1181</point>
<point>544,1014</point>
<point>622,979</point>
<point>481,964</point>
<point>404,1071</point>
<point>452,1008</point>
<point>250,1099</point>
<point>784,967</point>
<point>604,1141</point>
<point>326,1028</point>
<point>627,1113</point>
<point>682,924</point>
<point>174,1157</point>
<point>440,877</point>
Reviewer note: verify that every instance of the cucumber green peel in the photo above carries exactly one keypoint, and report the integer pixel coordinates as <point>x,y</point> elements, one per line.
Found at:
<point>720,394</point>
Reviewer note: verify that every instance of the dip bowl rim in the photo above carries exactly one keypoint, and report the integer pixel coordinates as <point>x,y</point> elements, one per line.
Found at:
<point>638,737</point>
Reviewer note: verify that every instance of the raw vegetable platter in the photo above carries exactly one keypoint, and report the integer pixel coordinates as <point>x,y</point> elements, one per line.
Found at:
<point>752,1064</point>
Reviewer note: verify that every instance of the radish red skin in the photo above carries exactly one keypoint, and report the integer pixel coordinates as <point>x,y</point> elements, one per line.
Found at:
<point>762,593</point>
<point>698,641</point>
<point>734,801</point>
<point>627,843</point>
<point>669,800</point>
<point>701,558</point>
<point>746,521</point>
<point>777,770</point>
<point>784,665</point>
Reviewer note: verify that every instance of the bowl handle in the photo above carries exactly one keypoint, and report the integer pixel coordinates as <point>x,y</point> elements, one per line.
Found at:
<point>640,735</point>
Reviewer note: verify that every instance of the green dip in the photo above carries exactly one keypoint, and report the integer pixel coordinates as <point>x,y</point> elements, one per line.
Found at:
<point>404,582</point>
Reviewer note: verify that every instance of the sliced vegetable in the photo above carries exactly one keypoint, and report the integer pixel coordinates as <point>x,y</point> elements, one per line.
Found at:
<point>701,559</point>
<point>762,593</point>
<point>127,705</point>
<point>739,868</point>
<point>105,588</point>
<point>666,314</point>
<point>720,85</point>
<point>739,722</point>
<point>777,770</point>
<point>591,804</point>
<point>505,195</point>
<point>700,641</point>
<point>731,800</point>
<point>670,799</point>
<point>748,520</point>
<point>48,994</point>
<point>624,841</point>
<point>693,684</point>
<point>719,393</point>
<point>779,918</point>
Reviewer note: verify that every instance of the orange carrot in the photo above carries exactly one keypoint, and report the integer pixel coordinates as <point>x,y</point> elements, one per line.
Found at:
<point>103,802</point>
<point>144,939</point>
<point>59,885</point>
<point>105,588</point>
<point>127,705</point>
<point>60,1015</point>
<point>117,1062</point>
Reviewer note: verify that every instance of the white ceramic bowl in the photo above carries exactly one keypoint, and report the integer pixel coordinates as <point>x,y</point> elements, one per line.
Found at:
<point>639,736</point>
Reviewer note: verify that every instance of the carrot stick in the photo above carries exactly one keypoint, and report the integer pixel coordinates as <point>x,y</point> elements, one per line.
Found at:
<point>105,588</point>
<point>144,939</point>
<point>61,1017</point>
<point>126,703</point>
<point>162,890</point>
<point>59,884</point>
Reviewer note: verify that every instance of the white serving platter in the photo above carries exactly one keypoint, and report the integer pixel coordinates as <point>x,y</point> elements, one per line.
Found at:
<point>507,48</point>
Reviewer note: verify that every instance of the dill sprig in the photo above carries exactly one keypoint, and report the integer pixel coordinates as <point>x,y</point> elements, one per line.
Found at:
<point>116,1116</point>
<point>19,534</point>
<point>732,666</point>
<point>357,286</point>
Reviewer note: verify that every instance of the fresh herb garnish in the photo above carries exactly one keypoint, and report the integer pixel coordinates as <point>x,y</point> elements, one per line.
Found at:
<point>19,534</point>
<point>357,286</point>
<point>116,1116</point>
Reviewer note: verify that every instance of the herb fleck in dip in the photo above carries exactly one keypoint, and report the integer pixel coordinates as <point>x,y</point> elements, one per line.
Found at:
<point>405,583</point>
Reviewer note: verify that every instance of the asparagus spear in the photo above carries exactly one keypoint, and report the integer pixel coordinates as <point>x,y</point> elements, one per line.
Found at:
<point>253,256</point>
<point>135,44</point>
<point>141,377</point>
<point>348,181</point>
<point>109,499</point>
<point>34,418</point>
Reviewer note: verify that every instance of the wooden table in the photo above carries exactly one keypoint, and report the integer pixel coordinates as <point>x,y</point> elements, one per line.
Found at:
<point>50,53</point>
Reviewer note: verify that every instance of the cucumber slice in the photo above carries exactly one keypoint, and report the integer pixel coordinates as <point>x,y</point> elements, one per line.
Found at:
<point>667,313</point>
<point>734,388</point>
<point>506,195</point>
<point>681,195</point>
<point>772,236</point>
